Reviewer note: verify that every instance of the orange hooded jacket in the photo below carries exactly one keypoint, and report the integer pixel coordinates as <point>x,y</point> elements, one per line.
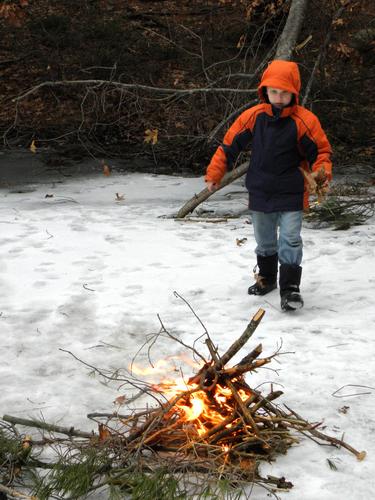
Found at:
<point>281,141</point>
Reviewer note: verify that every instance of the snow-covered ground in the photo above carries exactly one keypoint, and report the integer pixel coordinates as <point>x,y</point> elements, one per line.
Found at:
<point>85,272</point>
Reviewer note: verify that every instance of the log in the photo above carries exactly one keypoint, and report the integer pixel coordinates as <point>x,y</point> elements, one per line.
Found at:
<point>199,198</point>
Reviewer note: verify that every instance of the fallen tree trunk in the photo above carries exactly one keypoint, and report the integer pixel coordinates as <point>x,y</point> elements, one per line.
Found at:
<point>292,28</point>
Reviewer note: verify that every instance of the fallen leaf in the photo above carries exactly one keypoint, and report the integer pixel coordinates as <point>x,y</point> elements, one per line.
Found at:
<point>151,136</point>
<point>338,22</point>
<point>104,433</point>
<point>27,442</point>
<point>240,241</point>
<point>344,409</point>
<point>120,400</point>
<point>241,41</point>
<point>106,170</point>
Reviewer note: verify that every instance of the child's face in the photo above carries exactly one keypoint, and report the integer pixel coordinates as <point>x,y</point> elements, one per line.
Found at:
<point>278,97</point>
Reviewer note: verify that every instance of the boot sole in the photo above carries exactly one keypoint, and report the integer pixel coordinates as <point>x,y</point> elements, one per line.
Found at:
<point>292,306</point>
<point>262,292</point>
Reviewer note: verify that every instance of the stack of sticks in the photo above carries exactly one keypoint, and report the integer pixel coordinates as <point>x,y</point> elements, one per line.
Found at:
<point>236,431</point>
<point>217,426</point>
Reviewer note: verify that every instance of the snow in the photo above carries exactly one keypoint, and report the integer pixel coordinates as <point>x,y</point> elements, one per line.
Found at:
<point>84,272</point>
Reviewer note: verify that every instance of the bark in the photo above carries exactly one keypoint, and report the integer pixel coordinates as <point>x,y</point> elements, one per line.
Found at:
<point>292,28</point>
<point>197,199</point>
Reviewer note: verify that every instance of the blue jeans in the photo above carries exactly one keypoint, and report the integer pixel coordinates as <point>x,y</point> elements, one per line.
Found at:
<point>286,242</point>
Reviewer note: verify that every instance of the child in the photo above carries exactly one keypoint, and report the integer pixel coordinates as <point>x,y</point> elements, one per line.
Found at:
<point>287,143</point>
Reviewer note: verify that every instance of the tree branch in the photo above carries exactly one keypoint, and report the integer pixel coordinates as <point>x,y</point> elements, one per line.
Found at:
<point>199,198</point>
<point>133,86</point>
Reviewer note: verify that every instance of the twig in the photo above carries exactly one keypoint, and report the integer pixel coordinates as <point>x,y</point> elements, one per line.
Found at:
<point>14,493</point>
<point>334,394</point>
<point>239,343</point>
<point>321,53</point>
<point>176,294</point>
<point>334,441</point>
<point>69,431</point>
<point>135,86</point>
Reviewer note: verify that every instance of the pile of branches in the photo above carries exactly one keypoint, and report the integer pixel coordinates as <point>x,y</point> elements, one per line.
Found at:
<point>341,213</point>
<point>217,428</point>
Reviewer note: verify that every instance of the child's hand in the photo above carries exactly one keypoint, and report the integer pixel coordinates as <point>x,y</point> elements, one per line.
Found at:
<point>211,186</point>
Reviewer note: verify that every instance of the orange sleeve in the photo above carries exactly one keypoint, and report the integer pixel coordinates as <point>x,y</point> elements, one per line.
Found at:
<point>235,140</point>
<point>313,140</point>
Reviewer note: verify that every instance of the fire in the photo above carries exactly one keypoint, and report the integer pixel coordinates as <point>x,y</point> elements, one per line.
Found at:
<point>194,411</point>
<point>204,409</point>
<point>163,366</point>
<point>198,409</point>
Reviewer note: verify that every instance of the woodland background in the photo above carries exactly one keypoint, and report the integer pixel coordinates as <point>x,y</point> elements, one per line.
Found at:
<point>139,81</point>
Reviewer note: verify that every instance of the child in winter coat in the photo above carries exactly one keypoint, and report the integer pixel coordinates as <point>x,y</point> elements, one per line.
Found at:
<point>288,146</point>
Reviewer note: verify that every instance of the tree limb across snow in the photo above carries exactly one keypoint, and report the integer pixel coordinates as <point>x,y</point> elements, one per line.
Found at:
<point>199,198</point>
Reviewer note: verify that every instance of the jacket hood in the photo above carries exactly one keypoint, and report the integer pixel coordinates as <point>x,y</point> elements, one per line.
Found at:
<point>281,75</point>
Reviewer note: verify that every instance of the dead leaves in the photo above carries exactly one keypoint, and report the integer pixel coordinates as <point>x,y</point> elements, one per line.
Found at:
<point>13,14</point>
<point>344,50</point>
<point>120,400</point>
<point>151,136</point>
<point>106,169</point>
<point>104,433</point>
<point>240,241</point>
<point>32,147</point>
<point>241,42</point>
<point>344,409</point>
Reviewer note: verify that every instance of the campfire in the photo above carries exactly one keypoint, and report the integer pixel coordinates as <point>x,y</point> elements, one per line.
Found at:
<point>210,427</point>
<point>216,420</point>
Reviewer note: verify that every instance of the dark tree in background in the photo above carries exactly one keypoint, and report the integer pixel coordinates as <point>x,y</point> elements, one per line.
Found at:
<point>154,84</point>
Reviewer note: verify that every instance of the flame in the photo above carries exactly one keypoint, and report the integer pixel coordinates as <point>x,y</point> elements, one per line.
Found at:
<point>194,411</point>
<point>160,366</point>
<point>200,410</point>
<point>163,366</point>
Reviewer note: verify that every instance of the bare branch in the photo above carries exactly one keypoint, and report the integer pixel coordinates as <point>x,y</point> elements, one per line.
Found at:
<point>135,86</point>
<point>197,199</point>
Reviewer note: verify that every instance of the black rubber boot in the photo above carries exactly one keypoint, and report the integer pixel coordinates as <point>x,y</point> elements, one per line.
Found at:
<point>290,279</point>
<point>266,278</point>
